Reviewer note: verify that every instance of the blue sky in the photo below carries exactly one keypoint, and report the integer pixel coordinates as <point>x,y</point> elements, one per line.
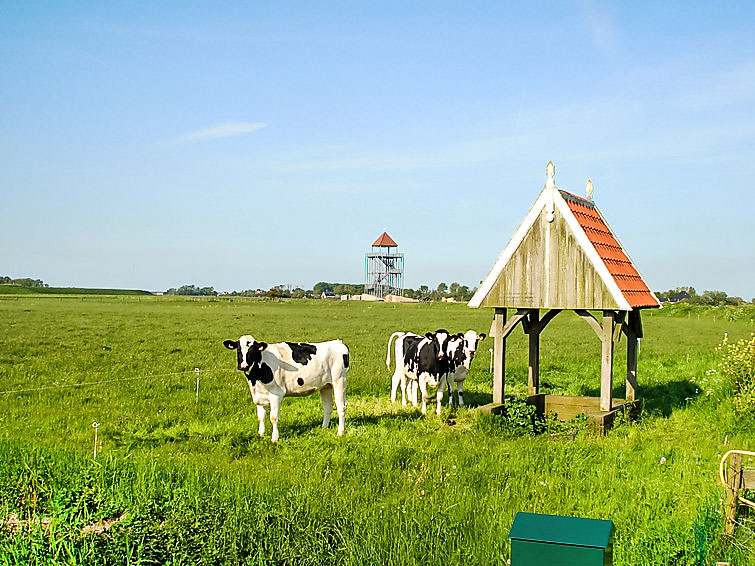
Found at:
<point>243,145</point>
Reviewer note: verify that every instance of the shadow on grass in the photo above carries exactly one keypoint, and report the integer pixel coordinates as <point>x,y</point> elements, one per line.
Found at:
<point>662,398</point>
<point>474,399</point>
<point>352,420</point>
<point>667,397</point>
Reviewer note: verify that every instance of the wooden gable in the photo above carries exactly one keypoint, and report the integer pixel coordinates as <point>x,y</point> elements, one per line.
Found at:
<point>563,256</point>
<point>550,269</point>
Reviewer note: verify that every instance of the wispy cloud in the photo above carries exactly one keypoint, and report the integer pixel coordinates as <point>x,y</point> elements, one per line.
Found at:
<point>224,130</point>
<point>599,25</point>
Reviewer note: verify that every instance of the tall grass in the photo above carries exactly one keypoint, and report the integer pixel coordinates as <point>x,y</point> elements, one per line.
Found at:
<point>187,481</point>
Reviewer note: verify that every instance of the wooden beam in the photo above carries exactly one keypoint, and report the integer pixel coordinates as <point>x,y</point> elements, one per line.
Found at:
<point>631,388</point>
<point>513,321</point>
<point>631,391</point>
<point>592,321</point>
<point>547,317</point>
<point>606,364</point>
<point>499,354</point>
<point>533,374</point>
<point>635,321</point>
<point>619,320</point>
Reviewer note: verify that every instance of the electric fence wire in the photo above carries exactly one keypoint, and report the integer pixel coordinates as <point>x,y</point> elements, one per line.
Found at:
<point>88,383</point>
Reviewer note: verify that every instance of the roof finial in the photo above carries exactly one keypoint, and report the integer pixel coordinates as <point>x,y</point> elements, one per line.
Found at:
<point>550,172</point>
<point>588,189</point>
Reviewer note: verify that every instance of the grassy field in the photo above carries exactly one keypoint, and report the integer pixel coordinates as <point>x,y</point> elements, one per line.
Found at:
<point>18,290</point>
<point>186,481</point>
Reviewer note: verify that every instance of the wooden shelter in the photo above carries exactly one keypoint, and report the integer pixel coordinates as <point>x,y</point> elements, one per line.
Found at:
<point>564,256</point>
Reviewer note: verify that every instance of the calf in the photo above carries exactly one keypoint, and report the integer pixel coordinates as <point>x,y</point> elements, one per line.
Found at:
<point>421,360</point>
<point>461,351</point>
<point>291,369</point>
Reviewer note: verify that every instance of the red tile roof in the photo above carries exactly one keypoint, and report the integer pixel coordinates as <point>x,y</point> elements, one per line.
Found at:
<point>609,249</point>
<point>385,240</point>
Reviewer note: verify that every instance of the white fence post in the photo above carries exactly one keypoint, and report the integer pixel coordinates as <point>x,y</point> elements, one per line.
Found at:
<point>196,371</point>
<point>95,425</point>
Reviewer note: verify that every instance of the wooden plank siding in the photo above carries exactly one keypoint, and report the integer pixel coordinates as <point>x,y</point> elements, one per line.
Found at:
<point>549,269</point>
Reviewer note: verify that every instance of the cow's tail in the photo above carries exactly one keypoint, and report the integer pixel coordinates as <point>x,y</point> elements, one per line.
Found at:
<point>388,356</point>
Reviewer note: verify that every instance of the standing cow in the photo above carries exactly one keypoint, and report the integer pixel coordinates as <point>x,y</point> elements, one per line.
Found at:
<point>293,369</point>
<point>421,360</point>
<point>461,352</point>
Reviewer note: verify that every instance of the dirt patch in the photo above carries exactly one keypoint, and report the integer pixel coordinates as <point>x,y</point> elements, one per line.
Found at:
<point>103,525</point>
<point>14,524</point>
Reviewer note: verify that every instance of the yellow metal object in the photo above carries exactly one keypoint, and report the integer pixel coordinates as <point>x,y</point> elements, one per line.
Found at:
<point>722,473</point>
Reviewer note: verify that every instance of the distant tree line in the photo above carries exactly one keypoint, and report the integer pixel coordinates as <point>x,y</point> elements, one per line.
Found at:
<point>22,282</point>
<point>338,288</point>
<point>455,291</point>
<point>689,295</point>
<point>192,290</point>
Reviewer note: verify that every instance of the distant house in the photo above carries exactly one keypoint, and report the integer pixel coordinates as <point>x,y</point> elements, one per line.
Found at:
<point>329,295</point>
<point>680,296</point>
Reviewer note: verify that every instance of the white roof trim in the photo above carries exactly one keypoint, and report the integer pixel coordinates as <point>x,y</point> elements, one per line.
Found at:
<point>550,195</point>
<point>509,250</point>
<point>592,253</point>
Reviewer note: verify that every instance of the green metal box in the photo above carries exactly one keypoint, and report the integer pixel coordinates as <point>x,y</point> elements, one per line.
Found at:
<point>553,540</point>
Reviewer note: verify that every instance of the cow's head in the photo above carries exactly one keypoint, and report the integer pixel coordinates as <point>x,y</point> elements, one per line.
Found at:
<point>440,338</point>
<point>471,339</point>
<point>248,351</point>
<point>456,351</point>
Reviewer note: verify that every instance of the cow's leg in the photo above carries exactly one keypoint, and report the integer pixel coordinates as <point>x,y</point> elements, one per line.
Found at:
<point>403,389</point>
<point>399,373</point>
<point>396,381</point>
<point>261,420</point>
<point>460,387</point>
<point>326,396</point>
<point>339,392</point>
<point>411,388</point>
<point>441,391</point>
<point>423,389</point>
<point>451,384</point>
<point>275,407</point>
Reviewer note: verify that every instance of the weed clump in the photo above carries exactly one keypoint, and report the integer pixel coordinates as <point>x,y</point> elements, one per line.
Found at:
<point>516,419</point>
<point>737,369</point>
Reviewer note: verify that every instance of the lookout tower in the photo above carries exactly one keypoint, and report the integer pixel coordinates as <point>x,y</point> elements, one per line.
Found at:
<point>564,256</point>
<point>384,268</point>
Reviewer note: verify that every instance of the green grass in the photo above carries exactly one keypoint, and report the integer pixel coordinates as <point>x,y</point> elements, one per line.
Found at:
<point>195,485</point>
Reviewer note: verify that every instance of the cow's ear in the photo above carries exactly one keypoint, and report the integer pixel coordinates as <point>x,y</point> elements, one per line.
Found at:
<point>230,344</point>
<point>483,336</point>
<point>429,335</point>
<point>261,345</point>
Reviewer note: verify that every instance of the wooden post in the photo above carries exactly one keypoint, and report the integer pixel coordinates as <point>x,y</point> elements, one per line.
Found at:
<point>533,376</point>
<point>733,480</point>
<point>606,365</point>
<point>631,391</point>
<point>632,330</point>
<point>499,355</point>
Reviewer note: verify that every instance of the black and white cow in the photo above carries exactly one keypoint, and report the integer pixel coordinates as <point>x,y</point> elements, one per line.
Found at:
<point>421,360</point>
<point>291,369</point>
<point>399,375</point>
<point>461,352</point>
